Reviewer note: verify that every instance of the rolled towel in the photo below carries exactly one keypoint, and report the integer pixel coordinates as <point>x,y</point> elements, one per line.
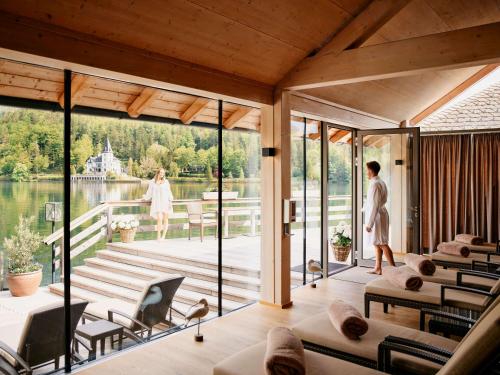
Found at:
<point>454,248</point>
<point>469,239</point>
<point>347,320</point>
<point>402,278</point>
<point>284,353</point>
<point>420,264</point>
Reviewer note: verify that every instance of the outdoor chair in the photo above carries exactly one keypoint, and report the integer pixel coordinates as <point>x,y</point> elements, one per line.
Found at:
<point>198,219</point>
<point>453,261</point>
<point>477,353</point>
<point>153,307</point>
<point>432,295</point>
<point>41,341</point>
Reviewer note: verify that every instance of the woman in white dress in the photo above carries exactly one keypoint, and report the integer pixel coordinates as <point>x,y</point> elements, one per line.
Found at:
<point>161,198</point>
<point>377,217</point>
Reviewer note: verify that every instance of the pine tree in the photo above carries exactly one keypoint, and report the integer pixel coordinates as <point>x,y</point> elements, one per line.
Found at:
<point>130,167</point>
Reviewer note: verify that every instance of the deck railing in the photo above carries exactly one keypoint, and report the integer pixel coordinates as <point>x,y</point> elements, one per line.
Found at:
<point>95,225</point>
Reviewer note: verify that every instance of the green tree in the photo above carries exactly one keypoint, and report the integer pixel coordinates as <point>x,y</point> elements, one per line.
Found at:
<point>148,167</point>
<point>130,167</point>
<point>184,157</point>
<point>40,163</point>
<point>82,149</point>
<point>173,169</point>
<point>20,172</point>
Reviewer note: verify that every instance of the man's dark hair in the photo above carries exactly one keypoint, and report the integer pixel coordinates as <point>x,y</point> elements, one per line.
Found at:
<point>374,166</point>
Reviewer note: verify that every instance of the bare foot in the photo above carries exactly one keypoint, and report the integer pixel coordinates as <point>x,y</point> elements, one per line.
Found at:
<point>375,272</point>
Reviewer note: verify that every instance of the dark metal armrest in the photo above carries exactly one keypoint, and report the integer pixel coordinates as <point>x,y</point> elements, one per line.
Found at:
<point>177,311</point>
<point>419,345</point>
<point>4,348</point>
<point>489,255</point>
<point>144,327</point>
<point>80,341</point>
<point>397,344</point>
<point>485,275</point>
<point>443,314</point>
<point>463,289</point>
<point>489,265</point>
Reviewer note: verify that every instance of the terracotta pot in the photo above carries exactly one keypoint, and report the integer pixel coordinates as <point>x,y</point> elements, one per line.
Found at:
<point>24,284</point>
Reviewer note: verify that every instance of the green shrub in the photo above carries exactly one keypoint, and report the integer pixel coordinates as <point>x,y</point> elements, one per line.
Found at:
<point>21,247</point>
<point>20,172</point>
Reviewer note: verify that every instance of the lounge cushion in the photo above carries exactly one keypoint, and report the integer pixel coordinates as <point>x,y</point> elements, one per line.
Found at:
<point>319,330</point>
<point>429,293</point>
<point>250,361</point>
<point>449,277</point>
<point>100,310</point>
<point>439,256</point>
<point>486,247</point>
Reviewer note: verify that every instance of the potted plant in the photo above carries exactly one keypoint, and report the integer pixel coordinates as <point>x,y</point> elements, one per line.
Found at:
<point>127,227</point>
<point>24,273</point>
<point>214,195</point>
<point>341,242</point>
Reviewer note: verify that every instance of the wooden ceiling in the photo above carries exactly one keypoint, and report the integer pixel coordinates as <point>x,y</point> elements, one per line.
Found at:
<point>242,48</point>
<point>38,83</point>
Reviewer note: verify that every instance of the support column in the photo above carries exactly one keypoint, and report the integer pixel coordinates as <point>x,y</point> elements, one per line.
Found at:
<point>275,253</point>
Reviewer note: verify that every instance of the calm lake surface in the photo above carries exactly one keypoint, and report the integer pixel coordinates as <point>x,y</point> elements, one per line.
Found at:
<point>29,198</point>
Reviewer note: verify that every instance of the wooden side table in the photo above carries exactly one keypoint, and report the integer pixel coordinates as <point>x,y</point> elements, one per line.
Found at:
<point>99,330</point>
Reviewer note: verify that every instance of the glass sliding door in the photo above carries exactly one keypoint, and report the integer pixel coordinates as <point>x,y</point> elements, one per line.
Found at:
<point>396,150</point>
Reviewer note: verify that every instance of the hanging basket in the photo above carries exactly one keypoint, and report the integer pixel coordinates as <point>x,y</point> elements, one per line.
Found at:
<point>127,235</point>
<point>341,253</point>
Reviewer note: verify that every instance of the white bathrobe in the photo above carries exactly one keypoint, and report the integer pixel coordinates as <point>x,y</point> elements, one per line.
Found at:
<point>376,215</point>
<point>161,198</point>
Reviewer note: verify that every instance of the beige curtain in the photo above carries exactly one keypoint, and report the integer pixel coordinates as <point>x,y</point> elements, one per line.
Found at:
<point>459,187</point>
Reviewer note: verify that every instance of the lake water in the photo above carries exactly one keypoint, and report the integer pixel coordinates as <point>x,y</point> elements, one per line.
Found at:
<point>29,198</point>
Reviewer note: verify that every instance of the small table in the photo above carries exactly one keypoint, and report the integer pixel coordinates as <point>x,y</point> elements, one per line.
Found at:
<point>99,330</point>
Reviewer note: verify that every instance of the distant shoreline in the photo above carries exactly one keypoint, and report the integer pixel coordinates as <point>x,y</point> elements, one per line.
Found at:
<point>60,178</point>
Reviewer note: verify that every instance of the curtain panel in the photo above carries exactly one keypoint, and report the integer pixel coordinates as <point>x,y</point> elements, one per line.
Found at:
<point>460,182</point>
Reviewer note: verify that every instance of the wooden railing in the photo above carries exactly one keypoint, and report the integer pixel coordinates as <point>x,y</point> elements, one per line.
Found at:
<point>95,225</point>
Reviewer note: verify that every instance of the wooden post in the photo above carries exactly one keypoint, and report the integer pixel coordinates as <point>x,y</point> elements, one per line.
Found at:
<point>252,222</point>
<point>108,226</point>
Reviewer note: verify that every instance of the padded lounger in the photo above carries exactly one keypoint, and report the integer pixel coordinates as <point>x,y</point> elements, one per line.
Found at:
<point>318,334</point>
<point>453,261</point>
<point>251,362</point>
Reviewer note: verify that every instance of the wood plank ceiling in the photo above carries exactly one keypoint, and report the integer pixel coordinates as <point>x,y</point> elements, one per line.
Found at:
<point>262,40</point>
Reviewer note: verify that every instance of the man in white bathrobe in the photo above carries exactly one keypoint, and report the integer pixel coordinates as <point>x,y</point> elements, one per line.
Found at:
<point>377,217</point>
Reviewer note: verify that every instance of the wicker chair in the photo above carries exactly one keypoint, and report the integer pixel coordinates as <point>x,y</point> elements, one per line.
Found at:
<point>198,219</point>
<point>42,340</point>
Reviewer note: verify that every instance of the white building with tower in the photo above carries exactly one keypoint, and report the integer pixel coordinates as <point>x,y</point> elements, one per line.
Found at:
<point>104,162</point>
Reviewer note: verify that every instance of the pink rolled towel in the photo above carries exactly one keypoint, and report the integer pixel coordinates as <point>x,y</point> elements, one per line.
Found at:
<point>347,320</point>
<point>402,279</point>
<point>284,353</point>
<point>420,264</point>
<point>469,239</point>
<point>454,248</point>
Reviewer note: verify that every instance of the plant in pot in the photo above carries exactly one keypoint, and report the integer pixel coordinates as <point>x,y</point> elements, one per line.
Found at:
<point>24,273</point>
<point>127,228</point>
<point>341,242</point>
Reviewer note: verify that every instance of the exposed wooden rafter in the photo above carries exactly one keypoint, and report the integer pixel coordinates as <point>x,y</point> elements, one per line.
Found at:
<point>194,109</point>
<point>143,101</point>
<point>453,93</point>
<point>337,136</point>
<point>448,50</point>
<point>78,85</point>
<point>237,116</point>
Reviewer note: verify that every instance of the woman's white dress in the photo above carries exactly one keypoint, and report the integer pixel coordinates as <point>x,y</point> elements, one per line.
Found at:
<point>377,217</point>
<point>161,198</point>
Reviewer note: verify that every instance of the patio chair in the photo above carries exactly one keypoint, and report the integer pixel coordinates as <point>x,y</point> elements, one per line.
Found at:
<point>42,339</point>
<point>431,295</point>
<point>198,219</point>
<point>153,307</point>
<point>453,261</point>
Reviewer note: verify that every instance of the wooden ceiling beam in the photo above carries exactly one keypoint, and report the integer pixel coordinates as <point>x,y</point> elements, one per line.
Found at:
<point>143,101</point>
<point>194,110</point>
<point>448,50</point>
<point>236,117</point>
<point>453,93</point>
<point>78,85</point>
<point>338,135</point>
<point>70,47</point>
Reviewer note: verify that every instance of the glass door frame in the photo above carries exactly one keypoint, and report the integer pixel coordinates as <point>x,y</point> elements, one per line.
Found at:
<point>414,138</point>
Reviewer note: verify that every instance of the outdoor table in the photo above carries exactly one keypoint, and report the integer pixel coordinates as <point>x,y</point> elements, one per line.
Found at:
<point>99,330</point>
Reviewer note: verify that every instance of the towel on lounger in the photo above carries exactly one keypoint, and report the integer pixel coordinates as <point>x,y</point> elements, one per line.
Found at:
<point>284,353</point>
<point>454,248</point>
<point>469,239</point>
<point>347,320</point>
<point>420,264</point>
<point>402,279</point>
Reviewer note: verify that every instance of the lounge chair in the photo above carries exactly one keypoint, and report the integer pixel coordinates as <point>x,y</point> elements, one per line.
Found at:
<point>472,278</point>
<point>198,219</point>
<point>41,341</point>
<point>431,295</point>
<point>477,353</point>
<point>453,261</point>
<point>153,307</point>
<point>250,361</point>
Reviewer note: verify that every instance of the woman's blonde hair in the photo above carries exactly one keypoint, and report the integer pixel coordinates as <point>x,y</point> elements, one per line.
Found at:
<point>157,175</point>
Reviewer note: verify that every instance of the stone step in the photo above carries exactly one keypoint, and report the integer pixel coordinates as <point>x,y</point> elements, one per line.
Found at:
<point>168,257</point>
<point>239,281</point>
<point>132,296</point>
<point>125,275</point>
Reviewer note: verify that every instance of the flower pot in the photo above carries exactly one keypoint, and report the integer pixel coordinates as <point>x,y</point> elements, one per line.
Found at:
<point>214,195</point>
<point>341,253</point>
<point>24,284</point>
<point>127,235</point>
